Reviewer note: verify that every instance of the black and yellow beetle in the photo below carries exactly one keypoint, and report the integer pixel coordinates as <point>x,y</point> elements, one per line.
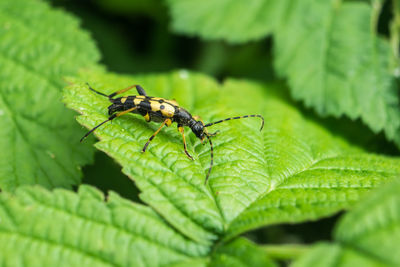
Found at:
<point>161,110</point>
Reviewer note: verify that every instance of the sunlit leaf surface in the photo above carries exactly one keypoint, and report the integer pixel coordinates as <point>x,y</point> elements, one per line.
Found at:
<point>294,170</point>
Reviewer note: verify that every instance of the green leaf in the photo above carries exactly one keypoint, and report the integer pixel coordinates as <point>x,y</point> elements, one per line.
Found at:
<point>336,64</point>
<point>38,136</point>
<point>294,170</point>
<point>61,228</point>
<point>241,253</point>
<point>366,236</point>
<point>232,20</point>
<point>336,256</point>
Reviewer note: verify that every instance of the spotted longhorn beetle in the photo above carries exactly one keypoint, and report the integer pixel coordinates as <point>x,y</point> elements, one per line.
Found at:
<point>161,110</point>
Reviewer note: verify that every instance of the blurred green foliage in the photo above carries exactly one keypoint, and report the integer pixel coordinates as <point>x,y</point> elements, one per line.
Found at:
<point>333,65</point>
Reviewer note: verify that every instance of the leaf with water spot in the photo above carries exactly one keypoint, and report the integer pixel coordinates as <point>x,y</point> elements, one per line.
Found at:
<point>294,170</point>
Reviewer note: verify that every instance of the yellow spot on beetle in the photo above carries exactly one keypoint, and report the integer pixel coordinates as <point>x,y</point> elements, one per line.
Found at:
<point>123,100</point>
<point>138,99</point>
<point>173,102</point>
<point>147,117</point>
<point>166,109</point>
<point>155,106</point>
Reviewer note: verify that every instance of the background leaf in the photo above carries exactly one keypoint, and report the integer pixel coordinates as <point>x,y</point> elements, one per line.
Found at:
<point>336,64</point>
<point>365,236</point>
<point>333,59</point>
<point>234,21</point>
<point>38,135</point>
<point>295,170</point>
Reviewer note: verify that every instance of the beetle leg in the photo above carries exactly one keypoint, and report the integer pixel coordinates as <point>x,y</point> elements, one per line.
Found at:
<point>109,119</point>
<point>138,88</point>
<point>182,131</point>
<point>154,134</point>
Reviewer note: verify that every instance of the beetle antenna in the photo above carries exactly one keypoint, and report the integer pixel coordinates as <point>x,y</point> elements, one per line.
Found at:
<point>97,92</point>
<point>236,118</point>
<point>212,159</point>
<point>94,128</point>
